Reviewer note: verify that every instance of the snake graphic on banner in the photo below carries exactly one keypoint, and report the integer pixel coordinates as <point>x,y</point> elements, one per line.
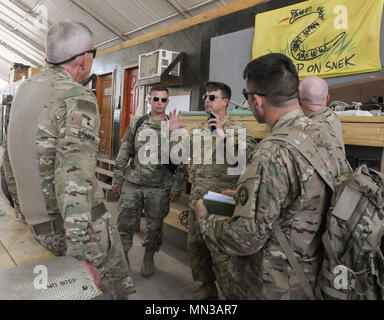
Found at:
<point>327,38</point>
<point>309,54</point>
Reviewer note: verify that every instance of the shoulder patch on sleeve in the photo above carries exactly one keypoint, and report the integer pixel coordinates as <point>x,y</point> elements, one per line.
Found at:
<point>246,192</point>
<point>86,106</point>
<point>243,195</point>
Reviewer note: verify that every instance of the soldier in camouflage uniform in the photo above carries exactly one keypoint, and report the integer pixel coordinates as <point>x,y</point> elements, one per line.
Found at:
<point>8,173</point>
<point>146,186</point>
<point>58,192</point>
<point>206,266</point>
<point>279,187</point>
<point>313,99</point>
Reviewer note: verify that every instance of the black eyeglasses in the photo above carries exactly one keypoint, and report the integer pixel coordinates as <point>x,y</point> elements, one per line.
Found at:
<point>157,99</point>
<point>93,51</point>
<point>246,94</point>
<point>211,97</point>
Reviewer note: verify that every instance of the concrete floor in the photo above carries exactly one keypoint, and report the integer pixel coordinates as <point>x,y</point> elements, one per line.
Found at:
<point>172,279</point>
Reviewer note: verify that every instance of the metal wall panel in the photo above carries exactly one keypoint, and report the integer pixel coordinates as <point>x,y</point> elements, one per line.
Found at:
<point>230,54</point>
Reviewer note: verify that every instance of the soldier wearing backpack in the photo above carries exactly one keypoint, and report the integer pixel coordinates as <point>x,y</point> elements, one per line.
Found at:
<point>283,195</point>
<point>149,187</point>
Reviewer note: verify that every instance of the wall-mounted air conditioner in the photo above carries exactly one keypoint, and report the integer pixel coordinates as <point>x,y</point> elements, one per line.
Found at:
<point>153,64</point>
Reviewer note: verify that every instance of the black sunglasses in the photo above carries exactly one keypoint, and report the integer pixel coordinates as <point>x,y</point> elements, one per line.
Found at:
<point>246,94</point>
<point>157,99</point>
<point>211,97</point>
<point>93,51</point>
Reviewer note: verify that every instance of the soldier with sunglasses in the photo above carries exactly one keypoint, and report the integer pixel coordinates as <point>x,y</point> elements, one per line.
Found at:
<point>149,187</point>
<point>282,196</point>
<point>208,267</point>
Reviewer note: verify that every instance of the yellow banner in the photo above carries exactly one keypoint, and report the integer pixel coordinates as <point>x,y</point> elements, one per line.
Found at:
<point>326,38</point>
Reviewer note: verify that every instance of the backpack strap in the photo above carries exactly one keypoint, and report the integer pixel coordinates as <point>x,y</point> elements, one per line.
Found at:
<point>139,123</point>
<point>294,263</point>
<point>305,146</point>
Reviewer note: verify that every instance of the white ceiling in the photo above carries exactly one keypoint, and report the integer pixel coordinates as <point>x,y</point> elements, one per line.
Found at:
<point>23,23</point>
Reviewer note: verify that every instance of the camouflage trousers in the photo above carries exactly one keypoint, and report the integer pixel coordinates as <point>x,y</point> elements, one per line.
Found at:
<point>229,276</point>
<point>155,203</point>
<point>106,255</point>
<point>208,265</point>
<point>11,182</point>
<point>199,255</point>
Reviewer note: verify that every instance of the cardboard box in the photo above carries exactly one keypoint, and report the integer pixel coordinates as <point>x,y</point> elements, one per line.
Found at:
<point>33,71</point>
<point>17,75</point>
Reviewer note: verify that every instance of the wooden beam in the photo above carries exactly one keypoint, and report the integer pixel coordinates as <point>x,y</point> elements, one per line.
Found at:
<point>201,18</point>
<point>179,93</point>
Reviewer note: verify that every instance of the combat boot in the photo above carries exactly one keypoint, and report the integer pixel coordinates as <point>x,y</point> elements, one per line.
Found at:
<point>148,267</point>
<point>208,290</point>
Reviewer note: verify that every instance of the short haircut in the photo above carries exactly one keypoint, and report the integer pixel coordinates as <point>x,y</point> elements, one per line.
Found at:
<point>67,39</point>
<point>213,86</point>
<point>159,88</point>
<point>275,76</point>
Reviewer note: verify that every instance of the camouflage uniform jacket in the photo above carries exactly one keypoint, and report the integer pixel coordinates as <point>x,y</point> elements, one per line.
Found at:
<point>67,143</point>
<point>215,177</point>
<point>278,186</point>
<point>329,118</point>
<point>151,175</point>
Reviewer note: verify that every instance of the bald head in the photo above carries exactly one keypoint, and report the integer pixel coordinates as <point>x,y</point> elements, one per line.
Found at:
<point>313,94</point>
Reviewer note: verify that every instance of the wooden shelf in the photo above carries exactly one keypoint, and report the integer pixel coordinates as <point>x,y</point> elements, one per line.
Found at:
<point>104,172</point>
<point>105,186</point>
<point>108,161</point>
<point>362,119</point>
<point>104,175</point>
